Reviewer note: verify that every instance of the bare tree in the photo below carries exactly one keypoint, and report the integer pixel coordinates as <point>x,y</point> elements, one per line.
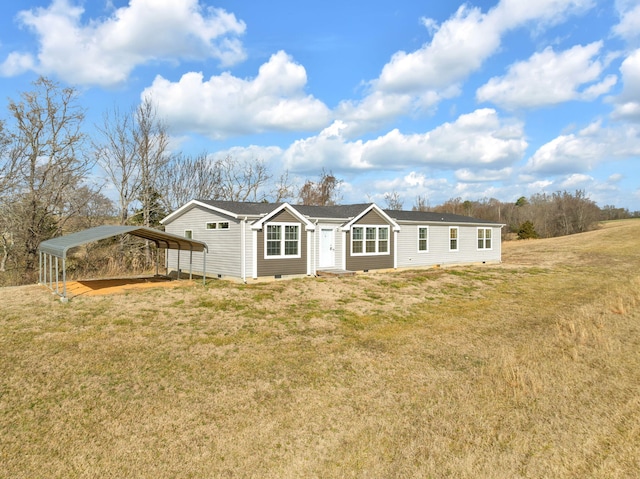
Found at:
<point>151,141</point>
<point>393,201</point>
<point>242,180</point>
<point>283,190</point>
<point>116,154</point>
<point>189,177</point>
<point>325,192</point>
<point>48,163</point>
<point>421,204</point>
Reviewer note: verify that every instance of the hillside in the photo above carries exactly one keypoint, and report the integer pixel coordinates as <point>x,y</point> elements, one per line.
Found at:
<point>530,368</point>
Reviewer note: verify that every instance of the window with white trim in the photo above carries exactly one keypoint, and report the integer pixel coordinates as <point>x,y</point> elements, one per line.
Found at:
<point>453,238</point>
<point>188,234</point>
<point>368,240</point>
<point>423,239</point>
<point>222,225</point>
<point>484,238</point>
<point>282,240</point>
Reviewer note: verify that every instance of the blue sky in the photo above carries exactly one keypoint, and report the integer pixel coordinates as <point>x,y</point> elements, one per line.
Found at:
<point>485,99</point>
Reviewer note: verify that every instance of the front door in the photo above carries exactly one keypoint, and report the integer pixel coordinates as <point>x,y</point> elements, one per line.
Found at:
<point>327,248</point>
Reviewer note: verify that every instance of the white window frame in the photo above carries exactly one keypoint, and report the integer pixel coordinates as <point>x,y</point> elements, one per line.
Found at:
<point>423,239</point>
<point>457,238</point>
<point>283,241</point>
<point>377,240</point>
<point>484,239</point>
<point>188,234</point>
<point>219,225</point>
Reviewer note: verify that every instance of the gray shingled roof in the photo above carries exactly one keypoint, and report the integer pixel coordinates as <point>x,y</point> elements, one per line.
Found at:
<point>431,217</point>
<point>241,207</point>
<point>340,212</point>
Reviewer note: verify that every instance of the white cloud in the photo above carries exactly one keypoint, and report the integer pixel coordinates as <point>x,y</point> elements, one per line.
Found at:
<point>476,140</point>
<point>629,26</point>
<point>548,78</point>
<point>105,52</point>
<point>482,175</point>
<point>628,103</point>
<point>458,47</point>
<point>224,105</point>
<point>16,63</point>
<point>581,152</point>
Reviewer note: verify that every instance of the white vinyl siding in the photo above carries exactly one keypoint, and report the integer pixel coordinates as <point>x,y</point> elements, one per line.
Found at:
<point>224,255</point>
<point>408,254</point>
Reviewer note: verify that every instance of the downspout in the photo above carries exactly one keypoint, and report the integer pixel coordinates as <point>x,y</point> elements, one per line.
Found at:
<point>316,245</point>
<point>395,249</point>
<point>243,252</point>
<point>254,252</point>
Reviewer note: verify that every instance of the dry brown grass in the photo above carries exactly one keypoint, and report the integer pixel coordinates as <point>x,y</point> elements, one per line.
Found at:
<point>526,369</point>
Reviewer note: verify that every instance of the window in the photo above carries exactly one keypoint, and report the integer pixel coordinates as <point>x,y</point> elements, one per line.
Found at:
<point>369,240</point>
<point>223,225</point>
<point>188,234</point>
<point>383,240</point>
<point>282,241</point>
<point>453,238</point>
<point>423,238</point>
<point>356,241</point>
<point>484,238</point>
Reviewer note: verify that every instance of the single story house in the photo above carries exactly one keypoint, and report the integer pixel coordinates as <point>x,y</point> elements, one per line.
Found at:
<point>260,240</point>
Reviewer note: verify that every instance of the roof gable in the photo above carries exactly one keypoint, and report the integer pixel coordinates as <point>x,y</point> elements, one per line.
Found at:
<point>377,209</point>
<point>233,209</point>
<point>283,207</point>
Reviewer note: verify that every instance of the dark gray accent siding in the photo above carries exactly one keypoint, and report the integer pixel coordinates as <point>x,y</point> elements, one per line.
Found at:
<point>374,261</point>
<point>282,266</point>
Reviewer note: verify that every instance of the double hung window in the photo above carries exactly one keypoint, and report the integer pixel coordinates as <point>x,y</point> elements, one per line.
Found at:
<point>423,238</point>
<point>484,238</point>
<point>453,238</point>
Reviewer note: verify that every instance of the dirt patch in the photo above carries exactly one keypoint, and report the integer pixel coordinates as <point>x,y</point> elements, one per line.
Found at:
<point>96,287</point>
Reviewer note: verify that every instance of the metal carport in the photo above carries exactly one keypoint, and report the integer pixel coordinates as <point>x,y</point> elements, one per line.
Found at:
<point>58,247</point>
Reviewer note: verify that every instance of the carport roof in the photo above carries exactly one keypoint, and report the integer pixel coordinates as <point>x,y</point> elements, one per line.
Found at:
<point>60,245</point>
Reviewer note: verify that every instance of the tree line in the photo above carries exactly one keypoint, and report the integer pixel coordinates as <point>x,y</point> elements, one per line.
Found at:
<point>541,215</point>
<point>48,185</point>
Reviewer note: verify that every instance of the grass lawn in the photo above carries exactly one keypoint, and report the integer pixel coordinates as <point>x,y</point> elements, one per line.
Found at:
<point>526,369</point>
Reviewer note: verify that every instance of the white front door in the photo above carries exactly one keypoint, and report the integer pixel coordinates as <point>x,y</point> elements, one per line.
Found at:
<point>327,248</point>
